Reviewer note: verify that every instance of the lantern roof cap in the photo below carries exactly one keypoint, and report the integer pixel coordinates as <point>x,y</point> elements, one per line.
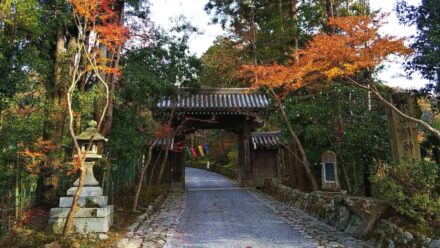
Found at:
<point>90,132</point>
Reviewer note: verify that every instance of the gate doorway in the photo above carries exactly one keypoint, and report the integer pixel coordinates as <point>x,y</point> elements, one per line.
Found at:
<point>237,110</point>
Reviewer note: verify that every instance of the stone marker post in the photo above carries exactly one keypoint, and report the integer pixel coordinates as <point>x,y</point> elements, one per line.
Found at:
<point>403,133</point>
<point>329,172</point>
<point>94,215</point>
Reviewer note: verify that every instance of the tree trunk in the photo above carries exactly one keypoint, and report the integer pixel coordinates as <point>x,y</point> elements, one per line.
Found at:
<point>141,178</point>
<point>305,161</point>
<point>367,182</point>
<point>113,78</point>
<point>75,77</point>
<point>151,176</point>
<point>82,86</point>
<point>165,159</point>
<point>329,8</point>
<point>355,180</point>
<point>108,176</point>
<point>344,172</point>
<point>79,159</point>
<point>75,74</point>
<point>282,28</point>
<point>75,207</point>
<point>55,94</point>
<point>55,117</point>
<point>339,133</point>
<point>109,116</point>
<point>373,89</point>
<point>295,29</point>
<point>1,116</point>
<point>425,125</point>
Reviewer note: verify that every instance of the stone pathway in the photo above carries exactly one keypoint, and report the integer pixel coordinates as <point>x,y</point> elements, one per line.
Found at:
<point>272,224</point>
<point>323,234</point>
<point>160,226</point>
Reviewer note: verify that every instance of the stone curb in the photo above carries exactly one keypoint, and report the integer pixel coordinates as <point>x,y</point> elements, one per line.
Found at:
<point>133,239</point>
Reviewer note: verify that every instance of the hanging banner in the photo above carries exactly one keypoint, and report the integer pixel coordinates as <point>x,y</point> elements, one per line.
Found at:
<point>189,152</point>
<point>193,151</point>
<point>206,149</point>
<point>202,154</point>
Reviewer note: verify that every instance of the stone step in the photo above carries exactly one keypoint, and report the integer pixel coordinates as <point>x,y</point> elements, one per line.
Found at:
<point>88,201</point>
<point>82,225</point>
<point>83,212</point>
<point>86,191</point>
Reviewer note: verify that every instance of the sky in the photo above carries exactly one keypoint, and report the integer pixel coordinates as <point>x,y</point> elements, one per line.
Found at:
<point>164,11</point>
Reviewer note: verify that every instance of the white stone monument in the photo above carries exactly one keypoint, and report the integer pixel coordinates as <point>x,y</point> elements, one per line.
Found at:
<point>329,172</point>
<point>94,215</point>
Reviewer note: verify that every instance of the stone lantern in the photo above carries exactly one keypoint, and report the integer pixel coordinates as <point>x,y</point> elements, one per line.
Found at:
<point>94,215</point>
<point>90,134</point>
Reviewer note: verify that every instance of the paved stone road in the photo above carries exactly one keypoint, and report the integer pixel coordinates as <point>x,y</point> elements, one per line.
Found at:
<point>214,212</point>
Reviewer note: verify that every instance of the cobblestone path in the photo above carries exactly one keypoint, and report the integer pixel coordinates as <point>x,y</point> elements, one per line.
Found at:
<point>322,234</point>
<point>213,212</point>
<point>162,225</point>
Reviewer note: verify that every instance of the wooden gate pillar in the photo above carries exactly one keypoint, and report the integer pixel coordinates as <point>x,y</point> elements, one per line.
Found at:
<point>244,155</point>
<point>178,163</point>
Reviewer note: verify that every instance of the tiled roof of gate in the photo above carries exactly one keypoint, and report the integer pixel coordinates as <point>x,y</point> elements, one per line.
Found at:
<point>219,99</point>
<point>266,139</point>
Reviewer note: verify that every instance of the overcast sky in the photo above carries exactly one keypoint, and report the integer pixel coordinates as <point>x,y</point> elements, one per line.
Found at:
<point>165,10</point>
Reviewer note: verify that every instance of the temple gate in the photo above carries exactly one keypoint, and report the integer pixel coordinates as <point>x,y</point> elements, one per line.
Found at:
<point>238,110</point>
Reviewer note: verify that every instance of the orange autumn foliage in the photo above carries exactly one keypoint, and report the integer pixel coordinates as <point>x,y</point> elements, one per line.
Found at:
<point>354,46</point>
<point>112,35</point>
<point>74,166</point>
<point>100,18</point>
<point>33,158</point>
<point>164,131</point>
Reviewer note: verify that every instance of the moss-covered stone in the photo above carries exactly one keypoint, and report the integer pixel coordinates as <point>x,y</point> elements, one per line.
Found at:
<point>361,217</point>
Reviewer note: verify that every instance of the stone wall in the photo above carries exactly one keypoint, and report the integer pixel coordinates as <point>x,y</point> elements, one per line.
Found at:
<point>360,217</point>
<point>386,234</point>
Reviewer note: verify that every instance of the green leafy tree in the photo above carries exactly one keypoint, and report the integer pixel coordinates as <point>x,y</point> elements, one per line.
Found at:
<point>411,189</point>
<point>339,118</point>
<point>221,62</point>
<point>269,31</point>
<point>426,43</point>
<point>24,69</point>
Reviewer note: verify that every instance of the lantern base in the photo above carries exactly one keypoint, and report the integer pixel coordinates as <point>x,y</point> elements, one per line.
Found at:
<point>87,220</point>
<point>94,215</point>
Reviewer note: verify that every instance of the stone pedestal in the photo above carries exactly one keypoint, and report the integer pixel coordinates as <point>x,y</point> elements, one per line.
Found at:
<point>94,215</point>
